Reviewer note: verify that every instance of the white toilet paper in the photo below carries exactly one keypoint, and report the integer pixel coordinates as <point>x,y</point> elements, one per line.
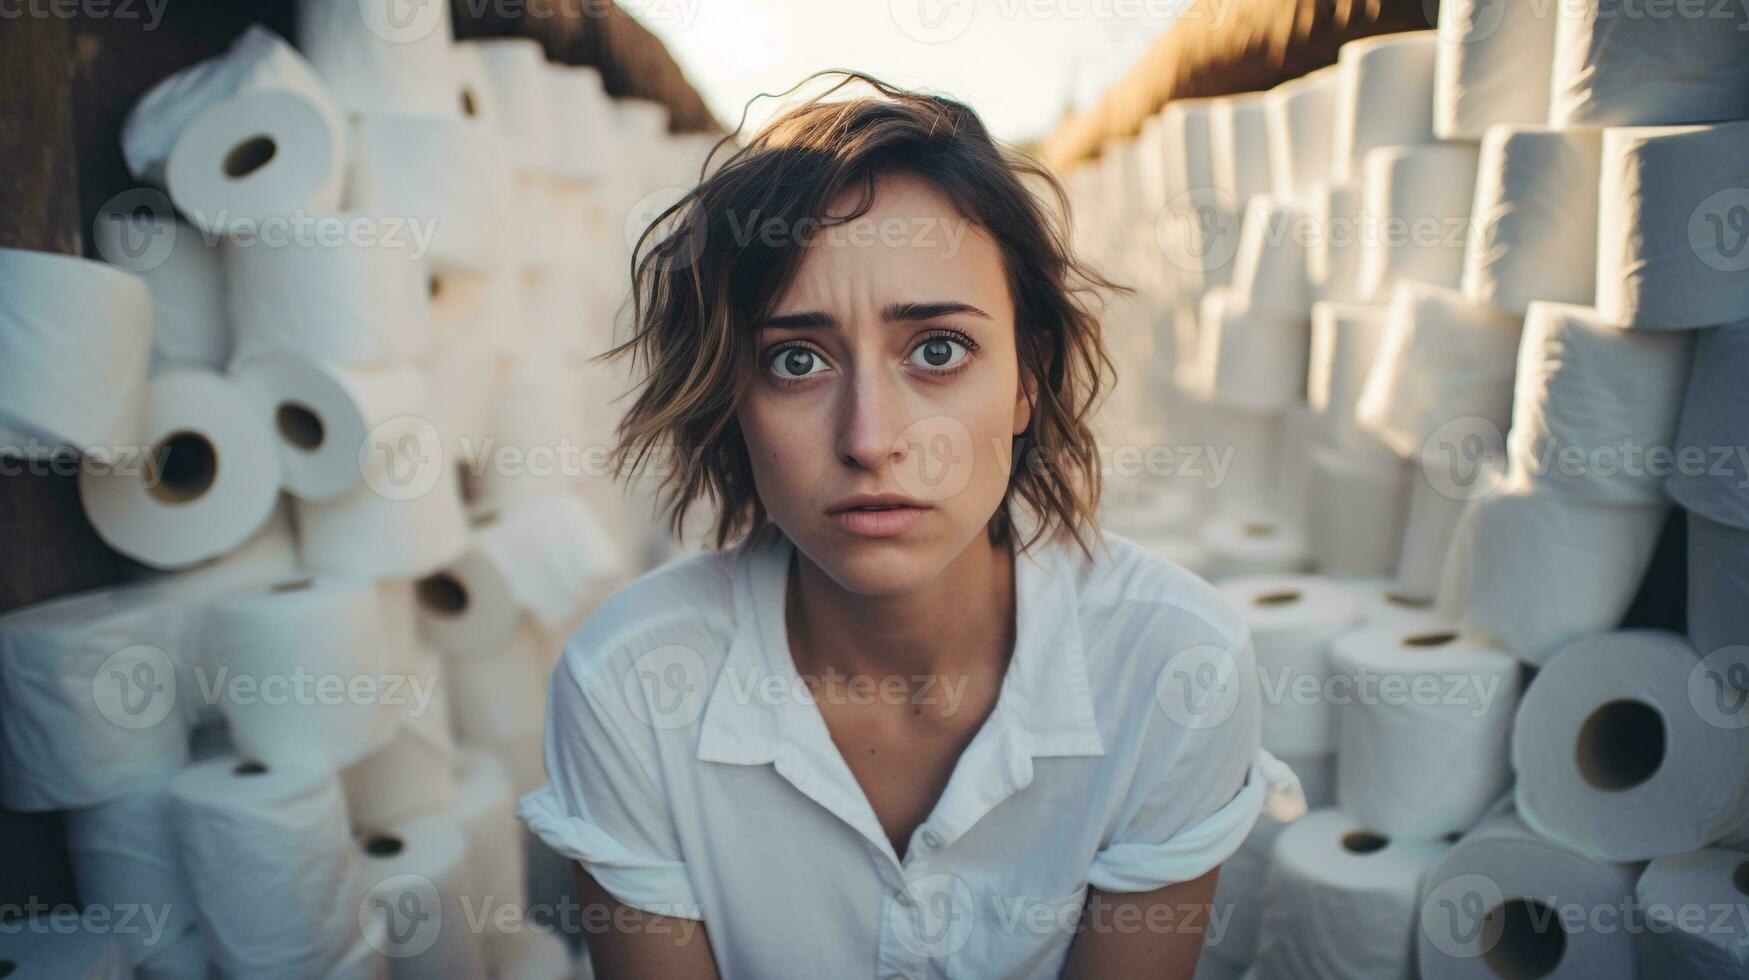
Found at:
<point>1718,575</point>
<point>485,807</point>
<point>1387,606</point>
<point>1345,339</point>
<point>1239,139</point>
<point>555,310</point>
<point>1341,901</point>
<point>1718,487</point>
<point>543,421</point>
<point>450,173</point>
<point>1250,444</point>
<point>1431,520</point>
<point>1239,543</point>
<point>376,56</point>
<point>256,162</point>
<point>418,870</point>
<point>537,956</point>
<point>1672,223</point>
<point>323,415</point>
<point>1356,506</point>
<point>1497,907</point>
<point>1595,407</point>
<point>336,301</point>
<point>1333,263</point>
<point>181,270</point>
<point>173,958</point>
<point>1190,160</point>
<point>1302,114</point>
<point>123,855</point>
<point>1240,891</point>
<point>1269,274</point>
<point>582,129</point>
<point>74,342</point>
<point>1418,204</point>
<point>1493,67</point>
<point>1623,751</point>
<point>499,701</point>
<point>269,556</point>
<point>475,323</point>
<point>1677,942</point>
<point>519,82</point>
<point>1299,438</point>
<point>474,90</point>
<point>203,480</point>
<point>1442,359</point>
<point>258,62</point>
<point>41,948</point>
<point>269,860</point>
<point>1587,560</point>
<point>304,678</point>
<point>1292,619</point>
<point>1533,231</point>
<point>1248,360</point>
<point>406,520</point>
<point>412,775</point>
<point>1386,97</point>
<point>1618,64</point>
<point>1417,695</point>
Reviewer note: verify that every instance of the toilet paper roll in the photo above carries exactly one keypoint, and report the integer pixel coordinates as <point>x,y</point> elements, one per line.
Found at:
<point>412,775</point>
<point>537,956</point>
<point>1241,450</point>
<point>1677,942</point>
<point>402,651</point>
<point>1708,434</point>
<point>406,520</point>
<point>1672,221</point>
<point>1239,892</point>
<point>467,609</point>
<point>257,161</point>
<point>203,480</point>
<point>498,703</point>
<point>1356,506</point>
<point>1301,114</point>
<point>1151,164</point>
<point>376,57</point>
<point>518,70</point>
<point>1249,360</point>
<point>555,309</point>
<point>1299,437</point>
<point>1385,99</point>
<point>1442,359</point>
<point>1587,560</point>
<point>1616,758</point>
<point>74,342</point>
<point>173,958</point>
<point>123,855</point>
<point>1718,572</point>
<point>485,809</point>
<point>1252,544</point>
<point>181,270</point>
<point>1595,407</point>
<point>269,556</point>
<point>267,853</point>
<point>475,324</point>
<point>1269,274</point>
<point>544,416</point>
<point>1345,339</point>
<point>1492,67</point>
<point>323,415</point>
<point>1292,619</point>
<point>1334,260</point>
<point>1239,143</point>
<point>1386,605</point>
<point>1428,526</point>
<point>42,948</point>
<point>474,91</point>
<point>1341,901</point>
<point>450,175</point>
<point>418,870</point>
<point>1418,204</point>
<point>332,301</point>
<point>1533,229</point>
<point>363,957</point>
<point>1495,907</point>
<point>1419,694</point>
<point>1190,160</point>
<point>1615,65</point>
<point>258,62</point>
<point>582,128</point>
<point>305,671</point>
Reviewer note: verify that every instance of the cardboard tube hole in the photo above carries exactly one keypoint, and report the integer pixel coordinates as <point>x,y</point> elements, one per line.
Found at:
<point>181,467</point>
<point>443,594</point>
<point>249,769</point>
<point>7,968</point>
<point>1284,598</point>
<point>1524,940</point>
<point>249,156</point>
<point>469,107</point>
<point>1407,602</point>
<point>1741,878</point>
<point>299,425</point>
<point>383,845</point>
<point>291,585</point>
<point>1425,640</point>
<point>1260,530</point>
<point>1621,745</point>
<point>1364,842</point>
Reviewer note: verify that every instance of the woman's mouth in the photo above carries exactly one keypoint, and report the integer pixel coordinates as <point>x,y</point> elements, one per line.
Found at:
<point>877,515</point>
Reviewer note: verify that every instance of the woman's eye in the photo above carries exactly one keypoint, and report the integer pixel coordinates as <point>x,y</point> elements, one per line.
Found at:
<point>937,353</point>
<point>796,362</point>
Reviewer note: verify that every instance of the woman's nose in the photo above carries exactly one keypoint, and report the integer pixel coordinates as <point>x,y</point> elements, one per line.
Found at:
<point>870,421</point>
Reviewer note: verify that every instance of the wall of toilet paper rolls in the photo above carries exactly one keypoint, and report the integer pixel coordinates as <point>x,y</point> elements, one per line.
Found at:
<point>1475,350</point>
<point>235,374</point>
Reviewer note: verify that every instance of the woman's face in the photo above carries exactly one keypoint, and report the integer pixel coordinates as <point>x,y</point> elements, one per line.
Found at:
<point>887,375</point>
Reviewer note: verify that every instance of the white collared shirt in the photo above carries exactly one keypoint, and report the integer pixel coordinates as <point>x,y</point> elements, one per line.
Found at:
<point>693,776</point>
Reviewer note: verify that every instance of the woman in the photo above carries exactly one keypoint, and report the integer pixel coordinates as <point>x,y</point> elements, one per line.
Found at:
<point>911,724</point>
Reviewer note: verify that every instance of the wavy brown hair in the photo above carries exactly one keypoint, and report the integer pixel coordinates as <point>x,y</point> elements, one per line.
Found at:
<point>703,275</point>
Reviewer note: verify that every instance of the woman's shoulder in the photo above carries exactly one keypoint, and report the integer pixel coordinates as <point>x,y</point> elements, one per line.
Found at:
<point>1125,582</point>
<point>688,602</point>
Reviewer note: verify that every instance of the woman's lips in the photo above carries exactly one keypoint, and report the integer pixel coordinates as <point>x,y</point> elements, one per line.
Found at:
<point>879,523</point>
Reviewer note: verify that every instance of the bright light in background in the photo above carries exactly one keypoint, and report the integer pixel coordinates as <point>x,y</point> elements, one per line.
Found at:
<point>1019,63</point>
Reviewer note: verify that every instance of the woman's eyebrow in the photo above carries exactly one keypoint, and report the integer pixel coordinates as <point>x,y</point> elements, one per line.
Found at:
<point>891,313</point>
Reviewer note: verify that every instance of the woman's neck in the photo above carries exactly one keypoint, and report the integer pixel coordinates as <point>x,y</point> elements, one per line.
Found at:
<point>961,621</point>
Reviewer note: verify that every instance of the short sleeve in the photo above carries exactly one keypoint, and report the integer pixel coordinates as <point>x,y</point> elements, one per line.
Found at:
<point>1201,780</point>
<point>604,807</point>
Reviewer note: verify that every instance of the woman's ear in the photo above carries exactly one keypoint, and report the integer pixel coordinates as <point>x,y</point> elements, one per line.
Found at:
<point>1025,397</point>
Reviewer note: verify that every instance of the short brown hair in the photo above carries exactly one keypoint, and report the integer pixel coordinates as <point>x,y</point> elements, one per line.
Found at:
<point>701,282</point>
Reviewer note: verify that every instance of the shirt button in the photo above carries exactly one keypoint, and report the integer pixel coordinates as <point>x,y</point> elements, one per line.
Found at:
<point>931,839</point>
<point>906,901</point>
